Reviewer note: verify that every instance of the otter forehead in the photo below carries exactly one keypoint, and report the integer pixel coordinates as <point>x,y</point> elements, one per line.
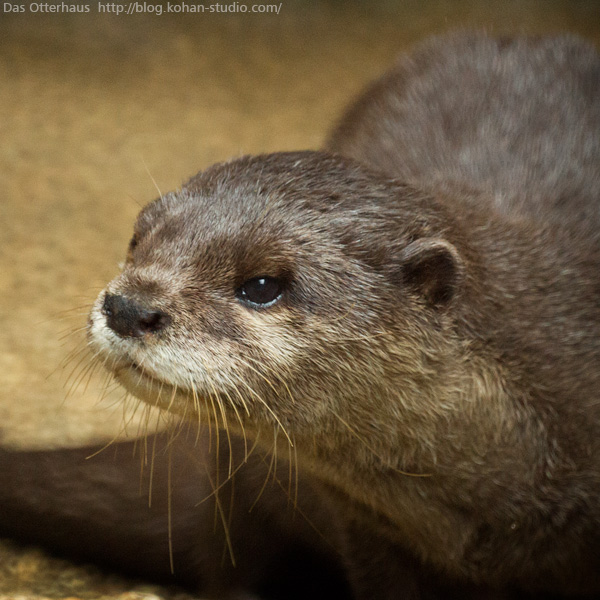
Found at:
<point>280,187</point>
<point>273,208</point>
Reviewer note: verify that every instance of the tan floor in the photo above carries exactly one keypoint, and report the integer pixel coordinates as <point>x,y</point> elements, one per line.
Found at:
<point>94,107</point>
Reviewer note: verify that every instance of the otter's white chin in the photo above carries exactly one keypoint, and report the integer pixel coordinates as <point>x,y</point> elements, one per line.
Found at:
<point>154,391</point>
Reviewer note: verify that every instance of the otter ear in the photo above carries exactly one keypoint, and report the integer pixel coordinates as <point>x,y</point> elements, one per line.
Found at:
<point>433,268</point>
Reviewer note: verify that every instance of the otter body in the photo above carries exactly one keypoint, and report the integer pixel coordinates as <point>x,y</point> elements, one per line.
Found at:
<point>411,318</point>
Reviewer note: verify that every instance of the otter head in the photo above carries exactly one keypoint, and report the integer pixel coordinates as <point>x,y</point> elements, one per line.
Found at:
<point>292,291</point>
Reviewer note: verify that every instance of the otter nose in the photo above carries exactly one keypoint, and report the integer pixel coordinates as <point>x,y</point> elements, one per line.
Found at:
<point>127,318</point>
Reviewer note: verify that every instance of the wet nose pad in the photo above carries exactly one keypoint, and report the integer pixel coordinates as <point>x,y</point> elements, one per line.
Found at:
<point>127,318</point>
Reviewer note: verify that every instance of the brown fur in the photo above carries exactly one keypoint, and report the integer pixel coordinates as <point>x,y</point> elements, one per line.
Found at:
<point>434,357</point>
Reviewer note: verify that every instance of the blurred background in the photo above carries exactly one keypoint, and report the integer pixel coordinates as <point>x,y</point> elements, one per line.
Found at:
<point>98,110</point>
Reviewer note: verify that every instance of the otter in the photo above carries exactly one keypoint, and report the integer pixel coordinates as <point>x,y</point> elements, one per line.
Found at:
<point>408,321</point>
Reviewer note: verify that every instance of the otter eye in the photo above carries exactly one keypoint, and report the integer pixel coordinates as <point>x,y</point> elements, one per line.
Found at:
<point>260,291</point>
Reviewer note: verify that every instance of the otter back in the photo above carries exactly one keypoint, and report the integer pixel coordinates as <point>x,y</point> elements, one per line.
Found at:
<point>517,117</point>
